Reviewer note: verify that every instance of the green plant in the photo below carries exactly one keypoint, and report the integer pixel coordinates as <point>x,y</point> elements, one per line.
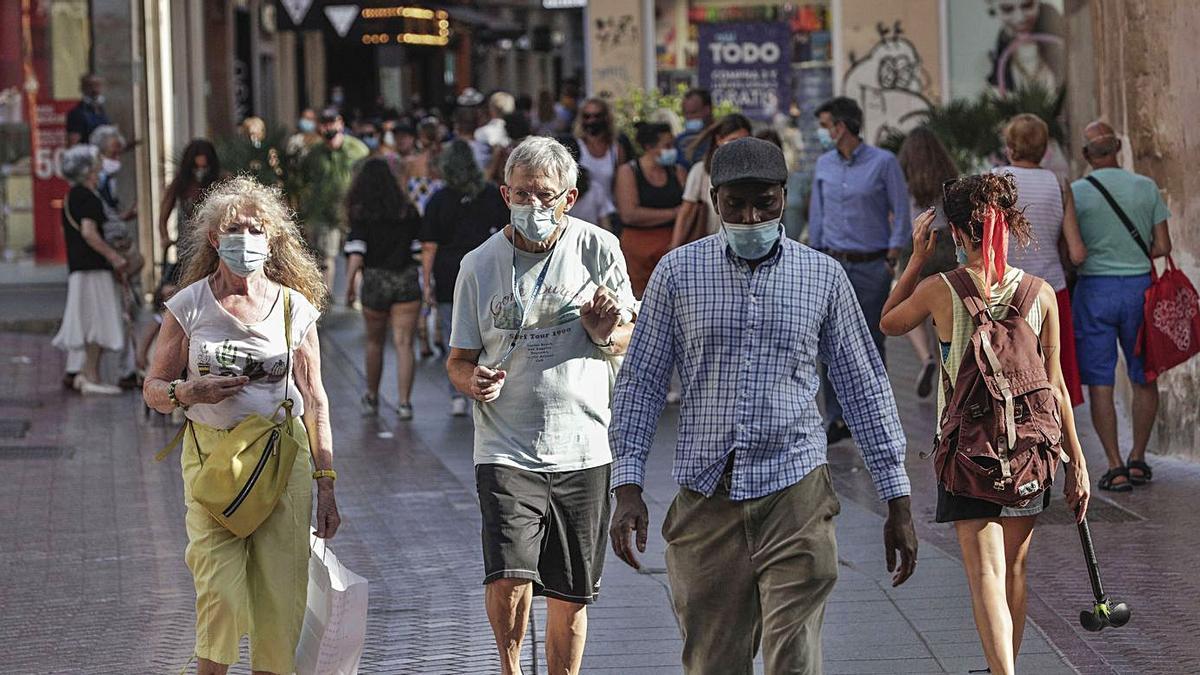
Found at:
<point>1038,100</point>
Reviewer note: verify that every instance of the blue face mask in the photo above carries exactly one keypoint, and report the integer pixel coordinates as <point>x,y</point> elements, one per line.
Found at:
<point>372,142</point>
<point>826,139</point>
<point>243,254</point>
<point>752,242</point>
<point>668,157</point>
<point>308,126</point>
<point>960,253</point>
<point>693,125</point>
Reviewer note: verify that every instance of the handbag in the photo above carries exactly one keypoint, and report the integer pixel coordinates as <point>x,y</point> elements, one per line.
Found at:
<point>245,470</point>
<point>1170,332</point>
<point>335,618</point>
<point>695,227</point>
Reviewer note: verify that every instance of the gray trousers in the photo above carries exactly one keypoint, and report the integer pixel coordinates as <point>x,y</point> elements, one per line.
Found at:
<point>749,571</point>
<point>872,281</point>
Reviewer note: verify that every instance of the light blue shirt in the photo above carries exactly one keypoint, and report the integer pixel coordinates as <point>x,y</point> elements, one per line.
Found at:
<point>1112,251</point>
<point>860,204</point>
<point>747,345</point>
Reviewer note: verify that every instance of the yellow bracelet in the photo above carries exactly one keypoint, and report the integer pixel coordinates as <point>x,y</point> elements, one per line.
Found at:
<point>325,473</point>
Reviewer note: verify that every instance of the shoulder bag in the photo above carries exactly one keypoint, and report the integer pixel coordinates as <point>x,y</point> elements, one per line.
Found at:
<point>1170,332</point>
<point>245,470</point>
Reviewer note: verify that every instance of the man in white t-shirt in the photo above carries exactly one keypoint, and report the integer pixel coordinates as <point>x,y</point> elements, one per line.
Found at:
<point>542,311</point>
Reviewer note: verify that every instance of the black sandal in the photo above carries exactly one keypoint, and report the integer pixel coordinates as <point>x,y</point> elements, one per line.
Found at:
<point>1147,473</point>
<point>1106,481</point>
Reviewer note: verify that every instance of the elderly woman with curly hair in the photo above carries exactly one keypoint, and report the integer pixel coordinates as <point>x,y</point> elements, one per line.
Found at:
<point>247,263</point>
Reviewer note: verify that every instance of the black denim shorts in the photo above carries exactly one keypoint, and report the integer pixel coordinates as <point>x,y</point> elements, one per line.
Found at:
<point>382,288</point>
<point>550,528</point>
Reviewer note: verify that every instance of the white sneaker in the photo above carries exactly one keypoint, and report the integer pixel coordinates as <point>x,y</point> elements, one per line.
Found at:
<point>87,387</point>
<point>404,411</point>
<point>458,406</point>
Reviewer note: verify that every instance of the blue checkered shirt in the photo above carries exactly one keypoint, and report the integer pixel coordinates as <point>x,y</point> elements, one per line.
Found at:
<point>747,345</point>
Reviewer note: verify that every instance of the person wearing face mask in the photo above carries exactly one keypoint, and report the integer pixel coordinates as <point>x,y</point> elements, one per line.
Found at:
<point>542,311</point>
<point>689,225</point>
<point>327,170</point>
<point>600,155</point>
<point>746,316</point>
<point>858,215</point>
<point>242,329</point>
<point>649,192</point>
<point>697,116</point>
<point>198,169</point>
<point>89,114</point>
<point>109,141</point>
<point>306,135</point>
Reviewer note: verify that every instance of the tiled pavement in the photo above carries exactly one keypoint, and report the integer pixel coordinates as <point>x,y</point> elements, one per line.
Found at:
<point>95,582</point>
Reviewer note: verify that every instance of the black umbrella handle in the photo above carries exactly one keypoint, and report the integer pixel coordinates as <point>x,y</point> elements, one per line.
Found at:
<point>1089,554</point>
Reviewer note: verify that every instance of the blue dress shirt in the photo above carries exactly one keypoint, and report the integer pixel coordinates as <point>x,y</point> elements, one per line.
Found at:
<point>747,345</point>
<point>860,204</point>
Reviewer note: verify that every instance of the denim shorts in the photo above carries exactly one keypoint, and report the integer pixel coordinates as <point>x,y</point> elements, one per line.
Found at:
<point>1107,312</point>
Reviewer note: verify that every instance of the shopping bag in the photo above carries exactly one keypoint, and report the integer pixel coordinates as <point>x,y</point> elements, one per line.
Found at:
<point>335,621</point>
<point>1170,332</point>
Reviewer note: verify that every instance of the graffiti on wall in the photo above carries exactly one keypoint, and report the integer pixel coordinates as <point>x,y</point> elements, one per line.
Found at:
<point>889,84</point>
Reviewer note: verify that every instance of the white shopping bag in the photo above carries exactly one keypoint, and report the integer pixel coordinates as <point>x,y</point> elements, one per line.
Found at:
<point>335,621</point>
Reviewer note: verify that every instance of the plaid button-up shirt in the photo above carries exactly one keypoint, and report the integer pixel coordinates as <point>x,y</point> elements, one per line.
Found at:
<point>747,345</point>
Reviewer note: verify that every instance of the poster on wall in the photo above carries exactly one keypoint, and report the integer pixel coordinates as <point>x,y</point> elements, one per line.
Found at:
<point>748,64</point>
<point>1001,47</point>
<point>49,188</point>
<point>615,55</point>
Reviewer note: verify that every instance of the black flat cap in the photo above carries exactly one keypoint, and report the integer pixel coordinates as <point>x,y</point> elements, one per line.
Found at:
<point>748,160</point>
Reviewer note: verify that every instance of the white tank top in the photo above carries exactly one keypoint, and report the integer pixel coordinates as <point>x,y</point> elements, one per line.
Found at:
<point>598,201</point>
<point>1040,196</point>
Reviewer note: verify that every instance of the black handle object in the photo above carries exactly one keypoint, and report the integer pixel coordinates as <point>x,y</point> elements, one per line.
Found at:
<point>1104,613</point>
<point>1089,554</point>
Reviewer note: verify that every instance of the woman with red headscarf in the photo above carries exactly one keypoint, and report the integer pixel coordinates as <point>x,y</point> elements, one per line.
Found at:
<point>982,212</point>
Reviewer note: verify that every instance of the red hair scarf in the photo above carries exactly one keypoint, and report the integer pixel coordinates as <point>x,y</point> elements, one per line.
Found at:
<point>995,245</point>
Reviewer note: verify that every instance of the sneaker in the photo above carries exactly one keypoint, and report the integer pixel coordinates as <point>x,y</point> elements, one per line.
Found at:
<point>836,433</point>
<point>68,381</point>
<point>89,388</point>
<point>458,406</point>
<point>370,405</point>
<point>926,378</point>
<point>404,411</point>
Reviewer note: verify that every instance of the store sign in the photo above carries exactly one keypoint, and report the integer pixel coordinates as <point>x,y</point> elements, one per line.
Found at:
<point>563,4</point>
<point>615,56</point>
<point>296,9</point>
<point>747,64</point>
<point>341,17</point>
<point>49,188</point>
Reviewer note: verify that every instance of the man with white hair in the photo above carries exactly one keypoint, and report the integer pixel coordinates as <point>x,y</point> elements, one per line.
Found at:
<point>541,311</point>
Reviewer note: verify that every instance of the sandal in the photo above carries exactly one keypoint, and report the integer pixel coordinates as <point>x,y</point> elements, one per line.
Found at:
<point>1106,481</point>
<point>1146,475</point>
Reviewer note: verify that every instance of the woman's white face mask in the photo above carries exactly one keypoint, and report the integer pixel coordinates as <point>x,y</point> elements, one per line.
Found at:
<point>243,253</point>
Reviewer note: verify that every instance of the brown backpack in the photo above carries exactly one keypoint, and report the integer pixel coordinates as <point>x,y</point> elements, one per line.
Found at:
<point>1000,436</point>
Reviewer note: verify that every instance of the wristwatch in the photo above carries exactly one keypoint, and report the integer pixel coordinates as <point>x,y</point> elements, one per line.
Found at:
<point>171,394</point>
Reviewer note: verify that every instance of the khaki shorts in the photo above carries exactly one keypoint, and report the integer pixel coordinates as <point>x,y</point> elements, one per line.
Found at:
<point>257,585</point>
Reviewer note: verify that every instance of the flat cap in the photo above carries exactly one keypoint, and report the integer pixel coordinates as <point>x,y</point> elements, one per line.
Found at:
<point>748,160</point>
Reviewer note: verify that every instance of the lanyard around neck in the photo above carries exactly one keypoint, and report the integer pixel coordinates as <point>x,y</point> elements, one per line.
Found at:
<point>537,288</point>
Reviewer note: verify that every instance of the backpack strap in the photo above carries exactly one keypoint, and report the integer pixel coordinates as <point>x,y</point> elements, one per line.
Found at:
<point>966,290</point>
<point>1026,294</point>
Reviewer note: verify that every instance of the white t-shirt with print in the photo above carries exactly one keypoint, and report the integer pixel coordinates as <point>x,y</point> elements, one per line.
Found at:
<point>553,411</point>
<point>220,344</point>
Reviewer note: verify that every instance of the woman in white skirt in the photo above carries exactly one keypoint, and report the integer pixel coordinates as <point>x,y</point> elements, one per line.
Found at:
<point>92,321</point>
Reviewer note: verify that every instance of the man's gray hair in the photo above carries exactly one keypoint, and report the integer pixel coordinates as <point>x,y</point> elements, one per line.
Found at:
<point>78,162</point>
<point>546,156</point>
<point>103,135</point>
<point>1103,146</point>
<point>503,102</point>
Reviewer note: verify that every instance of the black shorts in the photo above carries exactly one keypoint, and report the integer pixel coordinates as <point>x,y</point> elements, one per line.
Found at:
<point>550,528</point>
<point>382,288</point>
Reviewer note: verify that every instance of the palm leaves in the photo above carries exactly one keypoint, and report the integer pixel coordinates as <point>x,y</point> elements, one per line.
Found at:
<point>970,128</point>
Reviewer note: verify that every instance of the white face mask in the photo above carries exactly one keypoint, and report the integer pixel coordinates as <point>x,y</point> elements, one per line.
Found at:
<point>244,254</point>
<point>110,166</point>
<point>533,222</point>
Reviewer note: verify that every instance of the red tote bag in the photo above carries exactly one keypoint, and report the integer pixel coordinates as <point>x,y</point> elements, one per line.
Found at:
<point>1170,331</point>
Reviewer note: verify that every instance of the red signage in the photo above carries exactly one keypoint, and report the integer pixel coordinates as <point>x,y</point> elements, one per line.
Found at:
<point>49,188</point>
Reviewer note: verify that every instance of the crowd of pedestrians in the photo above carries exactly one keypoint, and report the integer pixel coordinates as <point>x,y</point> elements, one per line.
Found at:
<point>577,280</point>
